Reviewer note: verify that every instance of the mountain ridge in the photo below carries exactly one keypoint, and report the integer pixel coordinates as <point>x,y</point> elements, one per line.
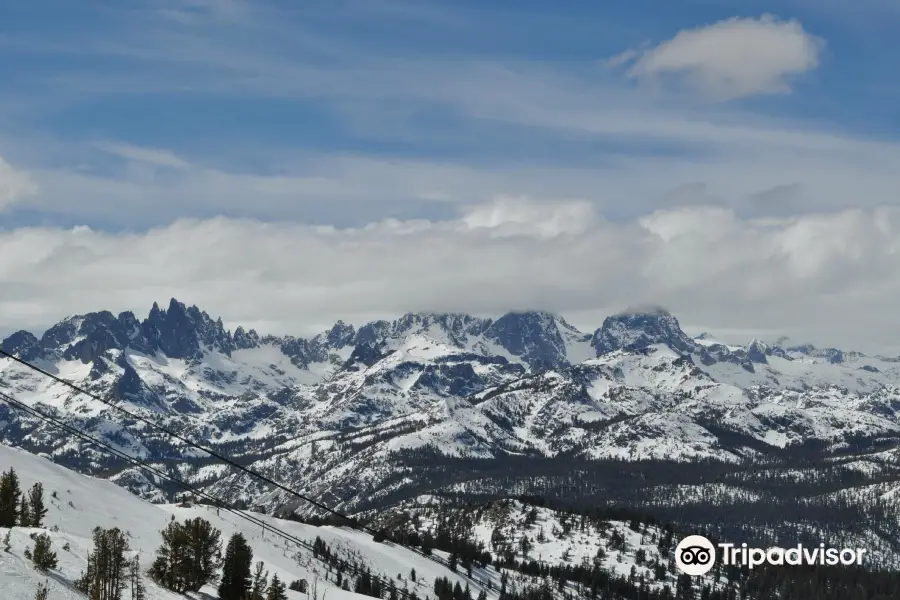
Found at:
<point>370,415</point>
<point>182,331</point>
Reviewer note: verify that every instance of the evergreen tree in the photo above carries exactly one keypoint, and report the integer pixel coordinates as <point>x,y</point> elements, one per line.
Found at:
<point>104,578</point>
<point>43,556</point>
<point>260,582</point>
<point>9,498</point>
<point>188,557</point>
<point>276,589</point>
<point>525,546</point>
<point>37,510</point>
<point>205,552</point>
<point>170,567</point>
<point>138,592</point>
<point>235,584</point>
<point>24,515</point>
<point>684,590</point>
<point>42,592</point>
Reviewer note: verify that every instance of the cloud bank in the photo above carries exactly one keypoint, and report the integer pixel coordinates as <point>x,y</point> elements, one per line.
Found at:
<point>708,265</point>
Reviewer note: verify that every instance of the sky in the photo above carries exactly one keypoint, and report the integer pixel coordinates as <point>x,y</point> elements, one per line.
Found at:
<point>284,165</point>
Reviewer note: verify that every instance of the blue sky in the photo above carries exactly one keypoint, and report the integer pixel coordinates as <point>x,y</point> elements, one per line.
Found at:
<point>525,133</point>
<point>263,87</point>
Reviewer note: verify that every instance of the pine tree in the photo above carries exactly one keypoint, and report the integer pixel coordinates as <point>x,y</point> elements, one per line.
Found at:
<point>683,588</point>
<point>24,515</point>
<point>171,565</point>
<point>276,589</point>
<point>104,578</point>
<point>36,504</point>
<point>42,592</point>
<point>43,556</point>
<point>138,592</point>
<point>235,584</point>
<point>188,557</point>
<point>205,552</point>
<point>260,582</point>
<point>9,498</point>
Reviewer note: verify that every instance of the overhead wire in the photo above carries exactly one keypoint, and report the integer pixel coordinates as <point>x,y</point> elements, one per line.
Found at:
<point>218,456</point>
<point>191,443</point>
<point>352,567</point>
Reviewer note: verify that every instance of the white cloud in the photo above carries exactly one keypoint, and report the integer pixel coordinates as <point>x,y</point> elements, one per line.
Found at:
<point>622,58</point>
<point>830,277</point>
<point>760,171</point>
<point>14,185</point>
<point>804,269</point>
<point>733,58</point>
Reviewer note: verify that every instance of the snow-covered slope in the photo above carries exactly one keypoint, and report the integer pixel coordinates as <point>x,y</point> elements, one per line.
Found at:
<point>514,531</point>
<point>78,504</point>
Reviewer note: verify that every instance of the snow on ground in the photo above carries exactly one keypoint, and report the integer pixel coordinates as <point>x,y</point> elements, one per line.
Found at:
<point>77,504</point>
<point>554,537</point>
<point>805,371</point>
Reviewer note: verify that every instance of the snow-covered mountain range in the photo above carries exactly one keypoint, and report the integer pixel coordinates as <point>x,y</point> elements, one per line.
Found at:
<point>360,417</point>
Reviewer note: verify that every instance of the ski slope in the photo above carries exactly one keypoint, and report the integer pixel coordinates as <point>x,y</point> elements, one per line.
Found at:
<point>82,503</point>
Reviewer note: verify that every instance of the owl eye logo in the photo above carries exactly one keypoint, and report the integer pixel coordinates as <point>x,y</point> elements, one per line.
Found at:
<point>695,555</point>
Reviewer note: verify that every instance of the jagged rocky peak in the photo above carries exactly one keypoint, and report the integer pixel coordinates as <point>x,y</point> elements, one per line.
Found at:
<point>63,333</point>
<point>243,340</point>
<point>22,344</point>
<point>95,334</point>
<point>457,327</point>
<point>373,333</point>
<point>183,331</point>
<point>533,336</point>
<point>832,355</point>
<point>80,337</point>
<point>639,327</point>
<point>340,335</point>
<point>179,332</point>
<point>757,352</point>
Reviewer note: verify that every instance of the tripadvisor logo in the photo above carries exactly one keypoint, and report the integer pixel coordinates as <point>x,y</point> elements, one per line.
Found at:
<point>696,555</point>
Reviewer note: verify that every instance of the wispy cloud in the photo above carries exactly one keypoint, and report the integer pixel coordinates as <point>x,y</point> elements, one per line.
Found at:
<point>462,129</point>
<point>152,156</point>
<point>15,185</point>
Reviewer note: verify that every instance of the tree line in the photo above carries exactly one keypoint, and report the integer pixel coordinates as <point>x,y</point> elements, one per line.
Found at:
<point>188,558</point>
